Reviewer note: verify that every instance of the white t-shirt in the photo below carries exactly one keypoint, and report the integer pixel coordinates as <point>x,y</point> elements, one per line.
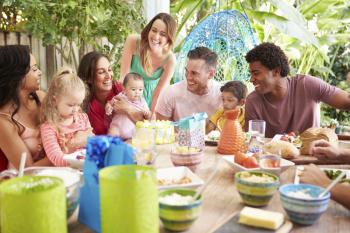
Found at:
<point>177,102</point>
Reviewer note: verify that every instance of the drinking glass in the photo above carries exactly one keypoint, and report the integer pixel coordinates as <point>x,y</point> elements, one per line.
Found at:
<point>145,145</point>
<point>270,163</point>
<point>257,128</point>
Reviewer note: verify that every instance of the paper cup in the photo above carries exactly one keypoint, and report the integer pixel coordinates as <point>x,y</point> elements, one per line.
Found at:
<point>33,204</point>
<point>129,199</point>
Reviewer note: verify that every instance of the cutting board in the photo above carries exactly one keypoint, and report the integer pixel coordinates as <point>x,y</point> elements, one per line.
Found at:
<point>232,226</point>
<point>343,137</point>
<point>304,159</point>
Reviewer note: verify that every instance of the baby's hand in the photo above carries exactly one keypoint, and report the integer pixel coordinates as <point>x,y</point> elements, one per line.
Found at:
<point>109,108</point>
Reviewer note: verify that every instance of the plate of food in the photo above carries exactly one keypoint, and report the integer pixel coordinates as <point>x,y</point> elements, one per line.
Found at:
<point>333,173</point>
<point>288,137</point>
<point>212,138</point>
<point>76,159</point>
<point>250,163</point>
<point>177,177</point>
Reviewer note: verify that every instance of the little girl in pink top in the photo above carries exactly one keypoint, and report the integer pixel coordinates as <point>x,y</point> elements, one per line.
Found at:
<point>65,128</point>
<point>121,125</point>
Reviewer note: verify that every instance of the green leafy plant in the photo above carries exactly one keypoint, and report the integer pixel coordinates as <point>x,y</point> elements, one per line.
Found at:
<point>312,32</point>
<point>11,16</point>
<point>86,24</point>
<point>304,29</point>
<point>340,69</point>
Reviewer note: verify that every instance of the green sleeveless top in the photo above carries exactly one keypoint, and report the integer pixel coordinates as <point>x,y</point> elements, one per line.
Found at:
<point>150,82</point>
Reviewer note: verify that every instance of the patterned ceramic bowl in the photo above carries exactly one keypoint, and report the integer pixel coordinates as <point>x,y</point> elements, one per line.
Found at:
<point>179,217</point>
<point>256,188</point>
<point>190,160</point>
<point>302,204</point>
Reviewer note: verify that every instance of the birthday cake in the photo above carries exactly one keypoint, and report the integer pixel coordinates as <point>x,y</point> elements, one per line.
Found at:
<point>163,130</point>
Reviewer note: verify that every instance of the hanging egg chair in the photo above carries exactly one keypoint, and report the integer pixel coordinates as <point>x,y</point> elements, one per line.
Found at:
<point>229,34</point>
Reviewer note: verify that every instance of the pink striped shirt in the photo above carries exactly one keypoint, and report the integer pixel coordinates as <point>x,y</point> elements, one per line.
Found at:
<point>53,136</point>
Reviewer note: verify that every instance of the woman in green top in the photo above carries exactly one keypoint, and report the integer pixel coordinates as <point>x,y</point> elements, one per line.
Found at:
<point>150,56</point>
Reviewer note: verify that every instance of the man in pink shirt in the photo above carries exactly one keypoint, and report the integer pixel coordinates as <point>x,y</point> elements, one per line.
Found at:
<point>286,103</point>
<point>198,93</point>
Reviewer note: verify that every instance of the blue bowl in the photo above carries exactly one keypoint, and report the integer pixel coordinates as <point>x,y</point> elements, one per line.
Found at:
<point>303,210</point>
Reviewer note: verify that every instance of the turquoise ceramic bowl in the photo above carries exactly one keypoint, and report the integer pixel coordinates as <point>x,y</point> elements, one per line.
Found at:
<point>302,210</point>
<point>179,217</point>
<point>256,193</point>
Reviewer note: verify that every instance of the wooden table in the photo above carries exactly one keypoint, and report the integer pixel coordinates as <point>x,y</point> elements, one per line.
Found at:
<point>221,199</point>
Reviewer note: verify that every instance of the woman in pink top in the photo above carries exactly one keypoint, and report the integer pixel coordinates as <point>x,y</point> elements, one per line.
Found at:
<point>20,100</point>
<point>64,128</point>
<point>96,72</point>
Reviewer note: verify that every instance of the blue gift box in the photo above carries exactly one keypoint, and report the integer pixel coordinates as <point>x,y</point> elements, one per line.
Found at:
<point>101,151</point>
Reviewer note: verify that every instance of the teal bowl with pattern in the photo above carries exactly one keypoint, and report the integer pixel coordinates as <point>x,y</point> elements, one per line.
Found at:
<point>179,217</point>
<point>256,188</point>
<point>302,202</point>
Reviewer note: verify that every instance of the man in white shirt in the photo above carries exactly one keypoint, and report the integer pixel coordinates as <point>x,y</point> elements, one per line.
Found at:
<point>198,93</point>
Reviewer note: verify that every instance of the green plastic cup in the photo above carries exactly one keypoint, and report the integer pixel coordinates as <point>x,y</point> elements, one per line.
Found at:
<point>33,204</point>
<point>129,199</point>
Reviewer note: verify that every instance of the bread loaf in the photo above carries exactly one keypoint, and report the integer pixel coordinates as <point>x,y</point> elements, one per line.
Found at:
<point>287,149</point>
<point>313,134</point>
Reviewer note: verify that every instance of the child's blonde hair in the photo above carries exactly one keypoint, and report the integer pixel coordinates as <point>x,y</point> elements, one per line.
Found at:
<point>63,82</point>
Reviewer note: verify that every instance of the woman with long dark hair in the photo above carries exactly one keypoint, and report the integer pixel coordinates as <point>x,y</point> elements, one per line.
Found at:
<point>20,100</point>
<point>95,70</point>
